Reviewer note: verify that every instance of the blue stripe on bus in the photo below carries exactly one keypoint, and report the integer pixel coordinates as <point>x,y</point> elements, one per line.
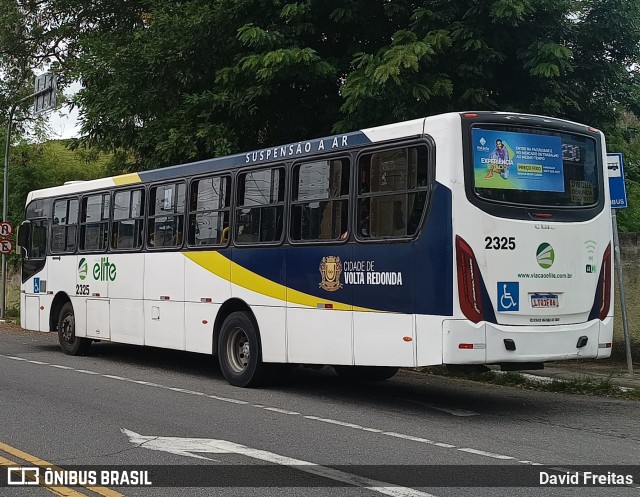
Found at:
<point>413,277</point>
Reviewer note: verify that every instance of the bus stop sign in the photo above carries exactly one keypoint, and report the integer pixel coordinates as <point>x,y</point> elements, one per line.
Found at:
<point>616,181</point>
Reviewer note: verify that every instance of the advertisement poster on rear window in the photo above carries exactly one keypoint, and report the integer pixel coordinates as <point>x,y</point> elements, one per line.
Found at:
<point>517,161</point>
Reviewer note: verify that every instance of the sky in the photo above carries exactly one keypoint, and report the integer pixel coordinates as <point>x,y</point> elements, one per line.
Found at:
<point>64,122</point>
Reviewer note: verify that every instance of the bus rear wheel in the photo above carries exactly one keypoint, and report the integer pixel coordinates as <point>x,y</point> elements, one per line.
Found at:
<point>239,351</point>
<point>69,342</point>
<point>365,373</point>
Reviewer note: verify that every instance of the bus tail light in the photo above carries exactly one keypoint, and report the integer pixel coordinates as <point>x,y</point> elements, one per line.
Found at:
<point>469,290</point>
<point>604,284</point>
<point>602,299</point>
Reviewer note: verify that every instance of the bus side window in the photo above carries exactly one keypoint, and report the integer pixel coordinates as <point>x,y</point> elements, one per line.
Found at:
<point>38,247</point>
<point>94,222</point>
<point>260,213</point>
<point>127,219</point>
<point>393,192</point>
<point>320,201</point>
<point>209,208</point>
<point>166,215</point>
<point>64,225</point>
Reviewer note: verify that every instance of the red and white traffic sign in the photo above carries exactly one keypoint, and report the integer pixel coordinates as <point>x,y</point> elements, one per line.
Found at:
<point>6,228</point>
<point>6,246</point>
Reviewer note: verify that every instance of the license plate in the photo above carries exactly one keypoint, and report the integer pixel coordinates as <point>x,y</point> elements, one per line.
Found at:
<point>544,300</point>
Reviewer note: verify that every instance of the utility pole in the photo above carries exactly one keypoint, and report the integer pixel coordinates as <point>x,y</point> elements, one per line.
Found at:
<point>45,100</point>
<point>618,194</point>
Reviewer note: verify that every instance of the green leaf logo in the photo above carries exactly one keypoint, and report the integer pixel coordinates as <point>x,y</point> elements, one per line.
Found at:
<point>545,255</point>
<point>82,269</point>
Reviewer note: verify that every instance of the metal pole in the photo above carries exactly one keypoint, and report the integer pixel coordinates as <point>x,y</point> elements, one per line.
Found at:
<point>5,199</point>
<point>623,304</point>
<point>5,203</point>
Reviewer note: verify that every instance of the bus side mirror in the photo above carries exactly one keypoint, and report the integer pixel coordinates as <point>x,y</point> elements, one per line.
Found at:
<point>24,237</point>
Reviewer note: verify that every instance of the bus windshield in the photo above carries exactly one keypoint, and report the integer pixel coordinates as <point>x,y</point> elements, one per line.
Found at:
<point>538,167</point>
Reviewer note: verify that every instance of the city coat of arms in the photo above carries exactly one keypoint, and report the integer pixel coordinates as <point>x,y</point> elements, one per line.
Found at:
<point>330,270</point>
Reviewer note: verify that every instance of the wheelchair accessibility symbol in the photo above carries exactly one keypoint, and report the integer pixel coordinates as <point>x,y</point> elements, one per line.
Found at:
<point>508,296</point>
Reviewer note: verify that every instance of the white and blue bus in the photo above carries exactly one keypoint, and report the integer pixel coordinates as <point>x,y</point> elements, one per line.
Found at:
<point>459,239</point>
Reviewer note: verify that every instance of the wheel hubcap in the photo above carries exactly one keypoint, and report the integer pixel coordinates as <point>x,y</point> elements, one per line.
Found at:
<point>67,328</point>
<point>238,351</point>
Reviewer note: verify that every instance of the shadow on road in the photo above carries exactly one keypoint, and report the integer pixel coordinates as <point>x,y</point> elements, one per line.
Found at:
<point>409,392</point>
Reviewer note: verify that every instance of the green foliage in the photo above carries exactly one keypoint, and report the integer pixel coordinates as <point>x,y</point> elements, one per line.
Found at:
<point>578,385</point>
<point>36,166</point>
<point>168,82</point>
<point>625,138</point>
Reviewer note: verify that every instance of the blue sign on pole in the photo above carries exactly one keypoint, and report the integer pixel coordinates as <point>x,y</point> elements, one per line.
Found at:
<point>616,181</point>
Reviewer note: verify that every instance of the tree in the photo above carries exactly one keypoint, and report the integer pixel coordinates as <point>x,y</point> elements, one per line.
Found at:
<point>167,82</point>
<point>564,58</point>
<point>43,165</point>
<point>191,80</point>
<point>626,140</point>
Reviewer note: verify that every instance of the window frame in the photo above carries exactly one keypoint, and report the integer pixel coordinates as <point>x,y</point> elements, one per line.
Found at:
<point>229,174</point>
<point>425,141</point>
<point>80,248</point>
<point>236,207</point>
<point>46,223</point>
<point>143,217</point>
<point>66,225</point>
<point>291,202</point>
<point>525,211</point>
<point>149,217</point>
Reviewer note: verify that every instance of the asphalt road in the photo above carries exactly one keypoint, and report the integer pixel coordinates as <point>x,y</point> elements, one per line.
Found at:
<point>172,414</point>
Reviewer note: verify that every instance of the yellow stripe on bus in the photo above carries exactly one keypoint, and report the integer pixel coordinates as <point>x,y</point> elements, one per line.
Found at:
<point>126,179</point>
<point>41,463</point>
<point>219,265</point>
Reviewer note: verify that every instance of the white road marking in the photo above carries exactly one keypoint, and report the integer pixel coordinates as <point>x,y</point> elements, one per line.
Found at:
<point>225,399</point>
<point>342,423</point>
<point>186,447</point>
<point>187,391</point>
<point>418,439</point>
<point>485,453</point>
<point>281,411</point>
<point>293,413</point>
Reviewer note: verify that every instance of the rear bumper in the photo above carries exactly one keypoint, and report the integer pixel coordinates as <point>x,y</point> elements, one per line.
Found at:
<point>484,343</point>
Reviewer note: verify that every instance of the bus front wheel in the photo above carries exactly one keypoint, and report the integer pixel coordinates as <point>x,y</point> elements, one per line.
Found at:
<point>239,351</point>
<point>365,373</point>
<point>69,342</point>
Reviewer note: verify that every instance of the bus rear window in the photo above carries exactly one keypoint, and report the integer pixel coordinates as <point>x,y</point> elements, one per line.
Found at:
<point>526,166</point>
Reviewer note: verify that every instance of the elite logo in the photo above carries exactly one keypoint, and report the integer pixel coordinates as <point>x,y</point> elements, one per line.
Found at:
<point>545,255</point>
<point>101,271</point>
<point>82,269</point>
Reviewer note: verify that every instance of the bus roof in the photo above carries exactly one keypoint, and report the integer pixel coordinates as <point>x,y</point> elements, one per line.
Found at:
<point>290,151</point>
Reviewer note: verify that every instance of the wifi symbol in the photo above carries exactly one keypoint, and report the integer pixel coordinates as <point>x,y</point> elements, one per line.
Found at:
<point>590,245</point>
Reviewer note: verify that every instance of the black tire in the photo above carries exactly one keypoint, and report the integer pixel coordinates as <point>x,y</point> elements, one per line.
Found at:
<point>69,342</point>
<point>239,352</point>
<point>365,373</point>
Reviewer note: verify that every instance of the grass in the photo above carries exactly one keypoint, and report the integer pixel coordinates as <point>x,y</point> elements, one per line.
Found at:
<point>12,313</point>
<point>575,386</point>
